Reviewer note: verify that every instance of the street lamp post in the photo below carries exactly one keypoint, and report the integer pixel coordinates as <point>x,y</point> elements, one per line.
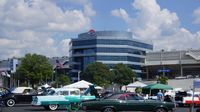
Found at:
<point>161,62</point>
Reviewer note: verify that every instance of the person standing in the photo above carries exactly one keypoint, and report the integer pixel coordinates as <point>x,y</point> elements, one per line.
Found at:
<point>160,95</point>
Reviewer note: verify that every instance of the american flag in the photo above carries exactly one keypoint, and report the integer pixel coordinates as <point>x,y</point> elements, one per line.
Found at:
<point>58,64</point>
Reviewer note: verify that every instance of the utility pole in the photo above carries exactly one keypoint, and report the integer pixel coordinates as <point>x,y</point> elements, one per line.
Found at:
<point>161,62</point>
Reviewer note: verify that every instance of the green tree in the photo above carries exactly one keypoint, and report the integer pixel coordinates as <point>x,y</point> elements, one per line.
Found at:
<point>163,80</point>
<point>34,69</point>
<point>123,75</point>
<point>63,80</point>
<point>138,90</point>
<point>97,73</point>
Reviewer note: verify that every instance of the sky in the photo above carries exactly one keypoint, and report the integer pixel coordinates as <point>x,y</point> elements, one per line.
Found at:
<point>46,26</point>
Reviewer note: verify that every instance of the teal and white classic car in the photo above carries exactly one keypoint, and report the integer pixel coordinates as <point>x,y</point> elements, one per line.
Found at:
<point>61,97</point>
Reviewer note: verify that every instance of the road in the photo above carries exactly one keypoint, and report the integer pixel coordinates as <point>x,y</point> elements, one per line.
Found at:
<point>29,108</point>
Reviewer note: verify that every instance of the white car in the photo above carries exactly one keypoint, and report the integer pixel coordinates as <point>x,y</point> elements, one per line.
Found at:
<point>59,98</point>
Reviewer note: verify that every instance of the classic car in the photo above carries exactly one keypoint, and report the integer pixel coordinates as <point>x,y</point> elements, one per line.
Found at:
<point>24,94</point>
<point>127,102</point>
<point>17,95</point>
<point>7,97</point>
<point>61,97</point>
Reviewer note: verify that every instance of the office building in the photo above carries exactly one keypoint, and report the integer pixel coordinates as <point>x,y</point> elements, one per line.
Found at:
<point>108,47</point>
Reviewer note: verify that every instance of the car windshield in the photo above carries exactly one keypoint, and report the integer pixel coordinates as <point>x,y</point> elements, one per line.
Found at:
<point>134,97</point>
<point>3,91</point>
<point>115,96</point>
<point>51,92</point>
<point>125,96</point>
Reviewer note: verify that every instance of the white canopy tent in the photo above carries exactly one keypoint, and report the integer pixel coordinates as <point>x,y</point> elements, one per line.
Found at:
<point>81,85</point>
<point>132,86</point>
<point>136,84</point>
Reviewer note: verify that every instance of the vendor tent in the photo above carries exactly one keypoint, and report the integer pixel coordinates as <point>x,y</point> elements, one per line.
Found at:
<point>154,88</point>
<point>158,86</point>
<point>136,84</point>
<point>81,85</point>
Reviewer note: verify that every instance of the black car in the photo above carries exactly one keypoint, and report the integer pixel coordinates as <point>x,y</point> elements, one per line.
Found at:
<point>10,99</point>
<point>7,97</point>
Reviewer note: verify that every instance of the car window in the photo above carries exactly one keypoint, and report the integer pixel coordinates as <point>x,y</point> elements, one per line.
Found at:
<point>134,97</point>
<point>58,93</point>
<point>32,92</point>
<point>26,91</point>
<point>75,92</point>
<point>64,92</point>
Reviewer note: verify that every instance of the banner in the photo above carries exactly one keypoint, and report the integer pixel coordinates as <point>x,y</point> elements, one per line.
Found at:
<point>196,83</point>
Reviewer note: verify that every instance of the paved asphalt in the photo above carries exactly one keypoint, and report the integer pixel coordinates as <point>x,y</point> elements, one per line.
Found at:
<point>29,108</point>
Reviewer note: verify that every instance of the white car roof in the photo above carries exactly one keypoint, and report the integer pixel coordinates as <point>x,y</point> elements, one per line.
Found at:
<point>20,89</point>
<point>67,89</point>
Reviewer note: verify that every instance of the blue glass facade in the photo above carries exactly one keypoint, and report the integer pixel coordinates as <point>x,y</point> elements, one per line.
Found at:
<point>110,48</point>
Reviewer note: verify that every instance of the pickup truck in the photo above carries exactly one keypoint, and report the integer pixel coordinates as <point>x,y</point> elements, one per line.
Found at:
<point>61,97</point>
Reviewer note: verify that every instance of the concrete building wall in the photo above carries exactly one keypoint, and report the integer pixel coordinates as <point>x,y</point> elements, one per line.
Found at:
<point>172,63</point>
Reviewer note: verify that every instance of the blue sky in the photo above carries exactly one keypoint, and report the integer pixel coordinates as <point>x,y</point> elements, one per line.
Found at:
<point>46,26</point>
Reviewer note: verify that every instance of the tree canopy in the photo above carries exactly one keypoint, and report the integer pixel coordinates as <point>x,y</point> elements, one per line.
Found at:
<point>100,74</point>
<point>123,75</point>
<point>63,80</point>
<point>162,80</point>
<point>34,68</point>
<point>97,73</point>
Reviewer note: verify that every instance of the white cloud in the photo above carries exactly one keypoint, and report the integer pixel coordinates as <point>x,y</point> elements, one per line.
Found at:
<point>88,10</point>
<point>121,13</point>
<point>31,26</point>
<point>160,26</point>
<point>196,14</point>
<point>63,46</point>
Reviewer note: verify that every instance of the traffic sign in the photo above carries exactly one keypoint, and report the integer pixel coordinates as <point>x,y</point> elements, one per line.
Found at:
<point>164,70</point>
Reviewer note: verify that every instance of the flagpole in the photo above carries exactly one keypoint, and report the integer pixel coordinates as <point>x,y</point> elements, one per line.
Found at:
<point>193,99</point>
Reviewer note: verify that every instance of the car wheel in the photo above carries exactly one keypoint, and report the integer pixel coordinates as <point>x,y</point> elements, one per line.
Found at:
<point>53,106</point>
<point>10,102</point>
<point>108,109</point>
<point>161,110</point>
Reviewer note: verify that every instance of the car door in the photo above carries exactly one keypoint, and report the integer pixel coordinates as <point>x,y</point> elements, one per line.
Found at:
<point>60,96</point>
<point>24,97</point>
<point>117,101</point>
<point>136,103</point>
